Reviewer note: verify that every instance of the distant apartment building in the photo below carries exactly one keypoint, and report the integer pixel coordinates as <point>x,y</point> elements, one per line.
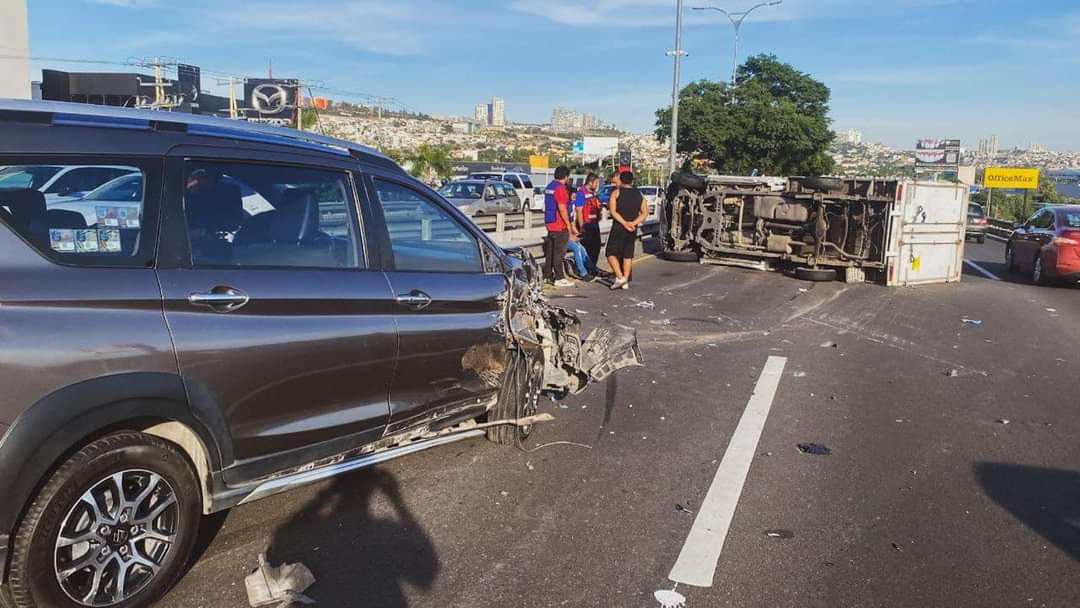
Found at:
<point>988,147</point>
<point>498,112</point>
<point>481,114</point>
<point>564,120</point>
<point>851,136</point>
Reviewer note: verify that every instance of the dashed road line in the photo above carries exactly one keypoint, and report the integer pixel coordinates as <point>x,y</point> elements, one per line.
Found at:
<point>986,273</point>
<point>700,553</point>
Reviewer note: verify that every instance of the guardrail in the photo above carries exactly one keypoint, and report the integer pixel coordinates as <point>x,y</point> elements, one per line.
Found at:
<point>526,229</point>
<point>1002,228</point>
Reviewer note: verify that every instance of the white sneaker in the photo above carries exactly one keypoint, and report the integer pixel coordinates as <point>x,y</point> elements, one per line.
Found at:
<point>618,284</point>
<point>564,283</point>
<point>626,284</point>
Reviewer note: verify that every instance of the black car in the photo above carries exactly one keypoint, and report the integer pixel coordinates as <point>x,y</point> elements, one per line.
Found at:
<point>275,308</point>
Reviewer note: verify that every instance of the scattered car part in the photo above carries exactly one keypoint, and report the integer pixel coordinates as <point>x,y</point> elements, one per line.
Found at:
<point>278,585</point>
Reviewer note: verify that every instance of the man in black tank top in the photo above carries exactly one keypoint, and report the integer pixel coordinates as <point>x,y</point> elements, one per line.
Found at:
<point>628,209</point>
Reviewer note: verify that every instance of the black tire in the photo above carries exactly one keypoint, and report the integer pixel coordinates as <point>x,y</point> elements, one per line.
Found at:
<point>815,274</point>
<point>980,239</point>
<point>33,577</point>
<point>688,180</point>
<point>1010,257</point>
<point>526,206</point>
<point>823,184</point>
<point>519,397</point>
<point>1038,272</point>
<point>680,256</point>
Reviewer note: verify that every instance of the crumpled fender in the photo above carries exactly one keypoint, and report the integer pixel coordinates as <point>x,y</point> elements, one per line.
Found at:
<point>543,330</point>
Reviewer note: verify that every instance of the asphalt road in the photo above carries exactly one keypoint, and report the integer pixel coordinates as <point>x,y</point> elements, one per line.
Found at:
<point>953,478</point>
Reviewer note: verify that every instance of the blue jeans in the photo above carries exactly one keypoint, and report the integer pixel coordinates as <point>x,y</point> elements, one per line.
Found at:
<point>582,260</point>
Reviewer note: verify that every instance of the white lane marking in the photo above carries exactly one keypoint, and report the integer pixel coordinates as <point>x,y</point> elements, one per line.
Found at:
<point>700,553</point>
<point>986,273</point>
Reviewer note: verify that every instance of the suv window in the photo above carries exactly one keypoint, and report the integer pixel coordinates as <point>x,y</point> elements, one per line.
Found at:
<point>513,180</point>
<point>84,179</point>
<point>507,190</point>
<point>1043,220</point>
<point>423,236</point>
<point>528,183</point>
<point>303,219</point>
<point>97,231</point>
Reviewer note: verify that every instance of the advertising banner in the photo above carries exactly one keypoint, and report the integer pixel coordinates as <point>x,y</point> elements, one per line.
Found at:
<point>1011,178</point>
<point>188,85</point>
<point>937,153</point>
<point>600,146</point>
<point>538,161</point>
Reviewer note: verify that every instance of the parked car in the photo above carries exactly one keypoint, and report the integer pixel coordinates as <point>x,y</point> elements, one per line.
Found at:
<point>1047,245</point>
<point>59,182</point>
<point>604,193</point>
<point>521,183</point>
<point>481,197</point>
<point>977,224</point>
<point>653,195</point>
<point>115,203</point>
<point>211,355</point>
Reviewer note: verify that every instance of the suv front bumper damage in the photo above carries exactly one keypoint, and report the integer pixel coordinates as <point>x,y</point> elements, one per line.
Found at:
<point>554,333</point>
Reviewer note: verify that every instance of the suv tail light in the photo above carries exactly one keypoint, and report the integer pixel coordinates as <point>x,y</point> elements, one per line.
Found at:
<point>980,220</point>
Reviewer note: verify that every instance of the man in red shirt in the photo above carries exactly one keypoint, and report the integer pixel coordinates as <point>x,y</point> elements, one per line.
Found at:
<point>559,228</point>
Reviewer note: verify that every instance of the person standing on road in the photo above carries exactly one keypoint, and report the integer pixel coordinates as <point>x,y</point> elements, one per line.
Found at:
<point>559,228</point>
<point>587,206</point>
<point>628,209</point>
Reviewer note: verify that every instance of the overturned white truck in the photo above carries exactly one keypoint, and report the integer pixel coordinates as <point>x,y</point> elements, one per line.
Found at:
<point>896,232</point>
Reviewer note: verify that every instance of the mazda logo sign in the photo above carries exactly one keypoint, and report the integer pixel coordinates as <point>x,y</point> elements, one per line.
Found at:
<point>269,98</point>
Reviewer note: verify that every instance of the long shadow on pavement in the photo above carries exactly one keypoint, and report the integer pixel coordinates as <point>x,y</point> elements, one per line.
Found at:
<point>360,555</point>
<point>1045,500</point>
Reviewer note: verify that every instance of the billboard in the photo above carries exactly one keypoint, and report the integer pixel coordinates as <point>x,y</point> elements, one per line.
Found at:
<point>271,100</point>
<point>937,154</point>
<point>1013,178</point>
<point>538,161</point>
<point>188,85</point>
<point>599,146</point>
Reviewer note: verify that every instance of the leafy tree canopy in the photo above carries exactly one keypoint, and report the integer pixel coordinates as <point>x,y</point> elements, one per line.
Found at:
<point>774,120</point>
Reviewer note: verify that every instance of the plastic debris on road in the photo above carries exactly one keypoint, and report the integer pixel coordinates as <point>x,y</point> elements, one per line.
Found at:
<point>967,321</point>
<point>278,586</point>
<point>646,304</point>
<point>669,598</point>
<point>1002,421</point>
<point>1051,310</point>
<point>814,449</point>
<point>682,509</point>
<point>952,373</point>
<point>778,533</point>
<point>829,345</point>
<point>799,374</point>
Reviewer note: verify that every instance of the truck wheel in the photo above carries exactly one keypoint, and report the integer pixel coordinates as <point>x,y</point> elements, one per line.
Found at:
<point>519,397</point>
<point>113,526</point>
<point>688,180</point>
<point>1010,257</point>
<point>680,256</point>
<point>980,239</point>
<point>815,274</point>
<point>1038,272</point>
<point>823,184</point>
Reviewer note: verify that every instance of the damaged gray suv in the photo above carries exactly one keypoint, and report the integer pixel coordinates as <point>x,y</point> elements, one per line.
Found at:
<point>251,310</point>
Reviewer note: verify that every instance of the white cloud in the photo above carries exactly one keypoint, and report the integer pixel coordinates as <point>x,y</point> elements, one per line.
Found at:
<point>126,3</point>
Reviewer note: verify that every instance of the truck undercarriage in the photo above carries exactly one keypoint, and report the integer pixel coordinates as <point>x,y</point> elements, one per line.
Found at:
<point>813,222</point>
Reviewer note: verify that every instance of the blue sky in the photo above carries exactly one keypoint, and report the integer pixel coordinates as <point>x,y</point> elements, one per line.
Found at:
<point>898,69</point>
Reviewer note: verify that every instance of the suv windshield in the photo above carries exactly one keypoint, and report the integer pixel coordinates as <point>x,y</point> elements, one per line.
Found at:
<point>1071,219</point>
<point>462,190</point>
<point>975,209</point>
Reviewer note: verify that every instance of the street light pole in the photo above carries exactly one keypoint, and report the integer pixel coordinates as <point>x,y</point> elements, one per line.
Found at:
<point>678,53</point>
<point>736,20</point>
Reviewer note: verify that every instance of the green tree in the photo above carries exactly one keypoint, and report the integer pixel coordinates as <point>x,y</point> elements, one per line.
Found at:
<point>775,120</point>
<point>430,162</point>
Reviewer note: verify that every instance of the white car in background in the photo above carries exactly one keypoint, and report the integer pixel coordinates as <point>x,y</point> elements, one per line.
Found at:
<point>521,183</point>
<point>653,195</point>
<point>117,203</point>
<point>60,183</point>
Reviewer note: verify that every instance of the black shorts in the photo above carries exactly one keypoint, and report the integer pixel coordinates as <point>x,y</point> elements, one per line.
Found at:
<point>621,243</point>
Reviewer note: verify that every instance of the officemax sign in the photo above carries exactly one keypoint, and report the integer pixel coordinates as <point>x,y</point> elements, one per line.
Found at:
<point>1012,178</point>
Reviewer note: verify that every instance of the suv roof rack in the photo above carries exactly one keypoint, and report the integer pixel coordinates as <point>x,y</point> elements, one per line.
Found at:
<point>88,115</point>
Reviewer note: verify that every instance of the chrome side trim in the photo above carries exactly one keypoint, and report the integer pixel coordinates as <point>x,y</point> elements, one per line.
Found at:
<point>284,484</point>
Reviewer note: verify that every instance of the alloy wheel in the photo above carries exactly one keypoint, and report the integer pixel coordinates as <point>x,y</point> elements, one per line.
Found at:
<point>115,538</point>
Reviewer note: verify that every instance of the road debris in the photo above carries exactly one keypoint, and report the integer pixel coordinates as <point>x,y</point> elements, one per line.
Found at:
<point>799,374</point>
<point>1051,310</point>
<point>967,321</point>
<point>682,509</point>
<point>280,586</point>
<point>778,533</point>
<point>669,598</point>
<point>581,312</point>
<point>814,449</point>
<point>897,548</point>
<point>551,443</point>
<point>952,373</point>
<point>829,345</point>
<point>1002,421</point>
<point>646,304</point>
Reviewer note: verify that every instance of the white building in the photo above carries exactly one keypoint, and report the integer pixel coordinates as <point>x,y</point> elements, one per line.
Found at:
<point>480,115</point>
<point>14,43</point>
<point>498,112</point>
<point>851,136</point>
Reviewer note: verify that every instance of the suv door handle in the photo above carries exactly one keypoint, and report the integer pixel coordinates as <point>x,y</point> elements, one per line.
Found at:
<point>415,299</point>
<point>220,299</point>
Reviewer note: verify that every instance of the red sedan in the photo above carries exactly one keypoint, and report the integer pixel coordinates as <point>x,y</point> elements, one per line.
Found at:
<point>1047,245</point>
